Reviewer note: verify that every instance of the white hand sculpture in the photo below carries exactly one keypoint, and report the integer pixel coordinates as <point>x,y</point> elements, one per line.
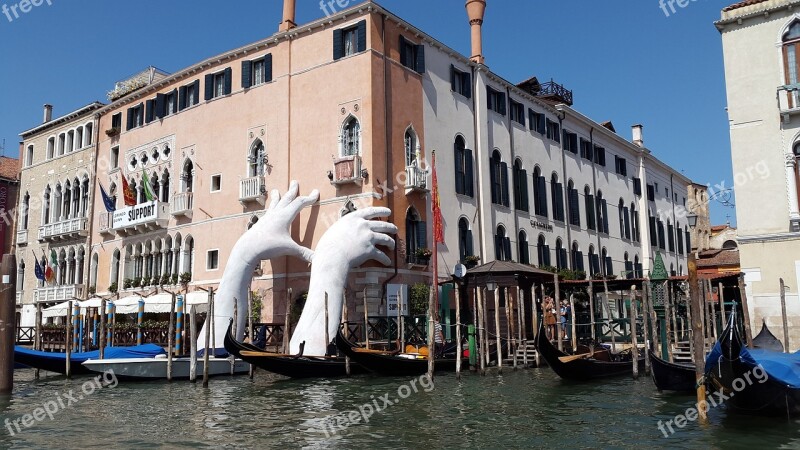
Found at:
<point>350,242</point>
<point>268,238</point>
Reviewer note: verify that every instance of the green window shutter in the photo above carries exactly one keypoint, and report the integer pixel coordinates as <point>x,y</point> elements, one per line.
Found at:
<point>247,68</point>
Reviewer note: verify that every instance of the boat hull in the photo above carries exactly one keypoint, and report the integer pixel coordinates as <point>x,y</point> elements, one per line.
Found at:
<point>669,376</point>
<point>56,361</point>
<point>582,369</point>
<point>144,369</point>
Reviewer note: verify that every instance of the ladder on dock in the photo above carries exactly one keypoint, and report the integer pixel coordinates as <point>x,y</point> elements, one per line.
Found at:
<point>682,353</point>
<point>524,350</point>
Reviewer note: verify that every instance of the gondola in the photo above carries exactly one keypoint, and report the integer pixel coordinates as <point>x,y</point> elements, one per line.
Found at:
<point>669,376</point>
<point>57,361</point>
<point>293,366</point>
<point>773,389</point>
<point>582,369</point>
<point>766,340</point>
<point>394,363</point>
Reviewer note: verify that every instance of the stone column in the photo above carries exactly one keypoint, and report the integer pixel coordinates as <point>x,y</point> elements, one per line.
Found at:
<point>791,184</point>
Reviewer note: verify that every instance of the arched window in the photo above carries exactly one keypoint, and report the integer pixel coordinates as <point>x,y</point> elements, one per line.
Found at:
<point>561,255</point>
<point>635,233</point>
<point>573,205</point>
<point>114,278</point>
<point>730,244</point>
<point>608,264</point>
<point>557,194</point>
<point>416,236</point>
<point>46,206</point>
<point>79,138</point>
<point>624,221</point>
<point>21,275</point>
<point>188,255</point>
<point>522,248</point>
<point>464,239</point>
<point>591,208</point>
<point>75,209</point>
<point>539,193</point>
<point>543,251</point>
<point>637,267</point>
<point>498,174</point>
<point>85,196</point>
<point>87,139</point>
<point>57,205</point>
<point>670,236</point>
<point>411,147</point>
<point>577,257</point>
<point>187,176</point>
<point>93,270</point>
<point>62,138</point>
<point>26,204</point>
<point>602,213</point>
<point>51,147</point>
<point>502,245</point>
<point>520,181</point>
<point>257,159</point>
<point>67,201</point>
<point>629,269</point>
<point>164,195</point>
<point>351,137</point>
<point>29,156</point>
<point>70,141</point>
<point>463,168</point>
<point>791,59</point>
<point>594,262</point>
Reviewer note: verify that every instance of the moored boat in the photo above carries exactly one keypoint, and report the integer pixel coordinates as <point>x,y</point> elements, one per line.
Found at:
<point>582,367</point>
<point>145,369</point>
<point>670,376</point>
<point>57,361</point>
<point>766,340</point>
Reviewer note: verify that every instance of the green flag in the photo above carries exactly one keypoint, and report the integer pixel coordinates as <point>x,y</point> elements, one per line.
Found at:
<point>148,188</point>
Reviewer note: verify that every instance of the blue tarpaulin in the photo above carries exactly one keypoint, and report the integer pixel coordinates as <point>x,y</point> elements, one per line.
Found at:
<point>782,367</point>
<point>138,351</point>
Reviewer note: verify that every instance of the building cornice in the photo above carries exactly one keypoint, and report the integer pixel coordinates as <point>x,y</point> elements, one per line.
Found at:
<point>62,120</point>
<point>739,15</point>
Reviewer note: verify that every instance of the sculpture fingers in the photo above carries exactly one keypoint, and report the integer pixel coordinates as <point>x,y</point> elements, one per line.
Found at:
<point>290,195</point>
<point>379,256</point>
<point>302,252</point>
<point>373,212</point>
<point>275,197</point>
<point>382,227</point>
<point>303,201</point>
<point>382,239</point>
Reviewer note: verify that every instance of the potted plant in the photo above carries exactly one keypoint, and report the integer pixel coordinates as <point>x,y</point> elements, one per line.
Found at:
<point>145,281</point>
<point>112,131</point>
<point>471,261</point>
<point>92,290</point>
<point>113,288</point>
<point>127,283</point>
<point>174,278</point>
<point>186,277</point>
<point>137,282</point>
<point>423,254</point>
<point>165,279</point>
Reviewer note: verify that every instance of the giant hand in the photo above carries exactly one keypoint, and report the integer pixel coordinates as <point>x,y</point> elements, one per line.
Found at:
<point>268,238</point>
<point>350,242</point>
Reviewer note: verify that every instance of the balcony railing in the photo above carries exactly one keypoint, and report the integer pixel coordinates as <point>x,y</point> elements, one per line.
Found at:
<point>789,99</point>
<point>106,223</point>
<point>64,229</point>
<point>253,189</point>
<point>58,293</point>
<point>142,217</point>
<point>416,179</point>
<point>553,91</point>
<point>20,294</point>
<point>22,237</point>
<point>181,204</point>
<point>346,170</point>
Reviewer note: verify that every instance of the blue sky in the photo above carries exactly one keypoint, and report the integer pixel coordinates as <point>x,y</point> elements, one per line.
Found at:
<point>625,60</point>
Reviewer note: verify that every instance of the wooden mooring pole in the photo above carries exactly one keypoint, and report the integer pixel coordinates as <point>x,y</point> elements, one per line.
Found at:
<point>784,318</point>
<point>458,332</point>
<point>287,321</point>
<point>634,337</point>
<point>8,319</point>
<point>748,333</point>
<point>481,330</point>
<point>497,329</point>
<point>698,336</point>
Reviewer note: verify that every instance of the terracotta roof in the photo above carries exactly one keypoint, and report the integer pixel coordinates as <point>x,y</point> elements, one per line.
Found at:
<point>715,258</point>
<point>718,227</point>
<point>508,267</point>
<point>742,4</point>
<point>9,168</point>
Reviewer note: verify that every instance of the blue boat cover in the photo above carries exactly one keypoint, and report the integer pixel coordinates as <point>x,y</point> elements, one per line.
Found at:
<point>782,367</point>
<point>138,351</point>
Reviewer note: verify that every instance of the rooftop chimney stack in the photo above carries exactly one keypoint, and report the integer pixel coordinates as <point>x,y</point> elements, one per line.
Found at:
<point>289,10</point>
<point>475,11</point>
<point>48,113</point>
<point>638,139</point>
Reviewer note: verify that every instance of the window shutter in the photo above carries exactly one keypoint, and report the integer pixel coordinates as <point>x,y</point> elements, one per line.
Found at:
<point>590,213</point>
<point>362,36</point>
<point>605,216</point>
<point>268,67</point>
<point>629,273</point>
<point>129,119</point>
<point>501,107</point>
<point>609,266</point>
<point>338,44</point>
<point>653,237</point>
<point>196,94</point>
<point>469,182</point>
<point>531,120</point>
<point>160,105</point>
<point>458,159</point>
<point>182,98</point>
<point>149,111</point>
<point>546,254</point>
<point>403,60</point>
<point>174,100</point>
<point>543,196</point>
<point>453,76</point>
<point>420,62</point>
<point>209,86</point>
<point>627,223</point>
<point>140,112</point>
<point>498,247</point>
<point>422,234</point>
<point>247,67</point>
<point>493,180</point>
<point>504,183</point>
<point>523,189</point>
<point>469,249</point>
<point>466,80</point>
<point>507,248</point>
<point>541,124</point>
<point>228,80</point>
<point>559,202</point>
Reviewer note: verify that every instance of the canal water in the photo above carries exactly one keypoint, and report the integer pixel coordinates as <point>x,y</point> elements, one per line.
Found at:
<point>516,409</point>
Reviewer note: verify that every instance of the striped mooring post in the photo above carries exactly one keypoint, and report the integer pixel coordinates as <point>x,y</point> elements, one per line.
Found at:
<point>109,327</point>
<point>178,323</point>
<point>95,328</point>
<point>139,321</point>
<point>76,320</point>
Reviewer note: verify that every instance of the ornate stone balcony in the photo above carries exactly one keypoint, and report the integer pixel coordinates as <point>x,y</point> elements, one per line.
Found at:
<point>181,204</point>
<point>65,229</point>
<point>346,170</point>
<point>22,237</point>
<point>253,189</point>
<point>58,293</point>
<point>416,179</point>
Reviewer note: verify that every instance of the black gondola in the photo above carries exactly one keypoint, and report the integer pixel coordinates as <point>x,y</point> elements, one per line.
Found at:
<point>290,365</point>
<point>766,340</point>
<point>672,376</point>
<point>582,369</point>
<point>393,363</point>
<point>757,381</point>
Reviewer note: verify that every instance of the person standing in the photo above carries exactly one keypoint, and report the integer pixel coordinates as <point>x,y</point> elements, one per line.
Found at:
<point>438,337</point>
<point>549,310</point>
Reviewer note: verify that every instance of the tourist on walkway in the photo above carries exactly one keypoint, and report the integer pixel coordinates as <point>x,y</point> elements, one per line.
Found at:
<point>549,309</point>
<point>566,313</point>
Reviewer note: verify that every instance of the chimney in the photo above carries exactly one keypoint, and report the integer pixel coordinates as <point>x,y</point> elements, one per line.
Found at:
<point>475,10</point>
<point>289,10</point>
<point>48,113</point>
<point>638,139</point>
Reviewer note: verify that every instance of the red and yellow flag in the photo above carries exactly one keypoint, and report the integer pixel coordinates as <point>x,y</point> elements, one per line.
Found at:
<point>127,192</point>
<point>438,227</point>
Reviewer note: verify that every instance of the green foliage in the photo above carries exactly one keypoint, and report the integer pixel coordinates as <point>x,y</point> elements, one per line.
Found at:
<point>113,288</point>
<point>127,283</point>
<point>297,308</point>
<point>257,305</point>
<point>92,290</point>
<point>423,253</point>
<point>418,299</point>
<point>186,277</point>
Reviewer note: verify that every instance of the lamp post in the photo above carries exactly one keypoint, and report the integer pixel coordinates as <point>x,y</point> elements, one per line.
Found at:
<point>697,325</point>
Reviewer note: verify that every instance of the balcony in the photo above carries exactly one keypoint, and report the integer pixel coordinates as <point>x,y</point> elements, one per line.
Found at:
<point>416,179</point>
<point>140,218</point>
<point>555,93</point>
<point>22,237</point>
<point>252,189</point>
<point>346,170</point>
<point>106,223</point>
<point>19,297</point>
<point>65,229</point>
<point>789,100</point>
<point>58,293</point>
<point>181,204</point>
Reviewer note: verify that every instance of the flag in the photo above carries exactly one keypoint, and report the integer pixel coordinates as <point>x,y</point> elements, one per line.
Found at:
<point>49,274</point>
<point>127,193</point>
<point>38,271</point>
<point>107,201</point>
<point>438,229</point>
<point>147,187</point>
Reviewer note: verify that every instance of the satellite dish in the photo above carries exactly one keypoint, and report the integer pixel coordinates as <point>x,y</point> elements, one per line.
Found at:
<point>460,270</point>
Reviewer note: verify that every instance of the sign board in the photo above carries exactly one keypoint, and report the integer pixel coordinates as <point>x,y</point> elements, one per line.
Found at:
<point>392,292</point>
<point>460,270</point>
<point>135,215</point>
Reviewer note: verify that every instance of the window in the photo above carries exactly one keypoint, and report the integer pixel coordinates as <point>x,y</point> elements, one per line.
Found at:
<point>637,186</point>
<point>791,48</point>
<point>349,41</point>
<point>651,193</point>
<point>635,233</point>
<point>116,121</point>
<point>624,220</point>
<point>498,174</point>
<point>557,196</point>
<point>608,263</point>
<point>520,180</point>
<point>257,159</point>
<point>114,157</point>
<point>188,95</point>
<point>461,82</point>
<point>660,230</point>
<point>517,112</point>
<point>679,233</point>
<point>553,130</point>
<point>412,55</point>
<point>536,122</point>
<point>670,237</point>
<point>51,147</point>
<point>629,270</point>
<point>502,245</point>
<point>577,257</point>
<point>26,204</point>
<point>522,248</point>
<point>464,239</point>
<point>463,168</point>
<point>586,150</point>
<point>29,156</point>
<point>351,137</point>
<point>602,213</point>
<point>573,205</point>
<point>539,193</point>
<point>171,103</point>
<point>416,235</point>
<point>216,183</point>
<point>135,116</point>
<point>599,155</point>
<point>496,100</point>
<point>218,84</point>
<point>571,142</point>
<point>594,262</point>
<point>561,255</point>
<point>187,177</point>
<point>543,251</point>
<point>688,241</point>
<point>212,260</point>
<point>653,231</point>
<point>410,145</point>
<point>257,72</point>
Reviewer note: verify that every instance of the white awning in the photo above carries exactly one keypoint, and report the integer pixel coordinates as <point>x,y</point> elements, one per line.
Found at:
<point>159,303</point>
